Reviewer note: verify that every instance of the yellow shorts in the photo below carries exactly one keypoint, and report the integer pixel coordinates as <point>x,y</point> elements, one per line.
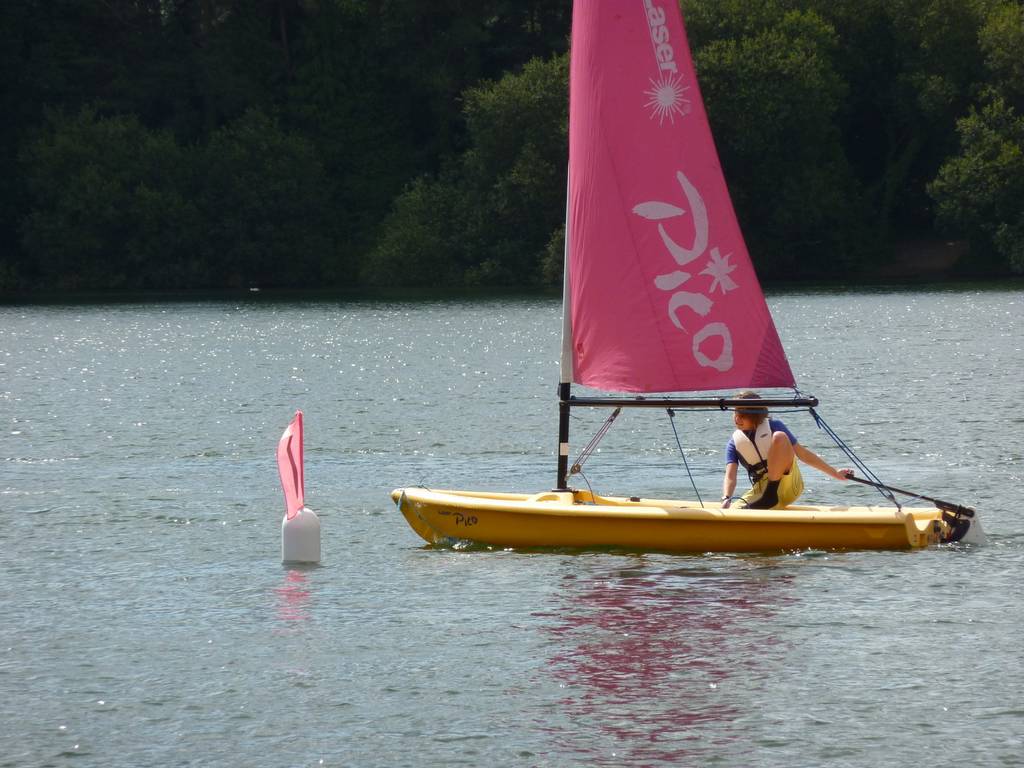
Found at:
<point>790,487</point>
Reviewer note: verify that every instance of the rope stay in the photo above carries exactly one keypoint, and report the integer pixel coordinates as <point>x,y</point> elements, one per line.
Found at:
<point>798,404</point>
<point>588,449</point>
<point>876,481</point>
<point>672,421</point>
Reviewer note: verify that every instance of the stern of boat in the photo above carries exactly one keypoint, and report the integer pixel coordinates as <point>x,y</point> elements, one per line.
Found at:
<point>963,528</point>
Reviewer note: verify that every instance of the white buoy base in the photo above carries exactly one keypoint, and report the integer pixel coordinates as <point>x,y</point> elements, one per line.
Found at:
<point>300,538</point>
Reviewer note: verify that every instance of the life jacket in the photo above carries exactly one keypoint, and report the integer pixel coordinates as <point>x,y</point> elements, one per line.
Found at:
<point>754,453</point>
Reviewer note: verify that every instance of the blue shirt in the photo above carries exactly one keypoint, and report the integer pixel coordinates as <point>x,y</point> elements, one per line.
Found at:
<point>732,456</point>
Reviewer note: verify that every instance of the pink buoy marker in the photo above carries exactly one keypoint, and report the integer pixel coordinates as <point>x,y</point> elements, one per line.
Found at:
<point>300,528</point>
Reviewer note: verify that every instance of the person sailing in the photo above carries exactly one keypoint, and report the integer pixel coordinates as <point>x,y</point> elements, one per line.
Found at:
<point>769,452</point>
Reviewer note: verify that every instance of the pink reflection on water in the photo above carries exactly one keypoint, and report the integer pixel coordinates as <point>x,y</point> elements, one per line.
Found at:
<point>657,665</point>
<point>293,597</point>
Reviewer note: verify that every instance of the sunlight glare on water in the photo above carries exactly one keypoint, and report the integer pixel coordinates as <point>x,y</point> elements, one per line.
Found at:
<point>148,620</point>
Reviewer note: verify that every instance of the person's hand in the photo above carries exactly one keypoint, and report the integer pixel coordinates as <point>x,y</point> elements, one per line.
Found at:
<point>726,502</point>
<point>844,474</point>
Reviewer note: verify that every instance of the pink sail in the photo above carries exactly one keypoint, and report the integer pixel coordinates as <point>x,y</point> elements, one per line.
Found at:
<point>289,464</point>
<point>662,294</point>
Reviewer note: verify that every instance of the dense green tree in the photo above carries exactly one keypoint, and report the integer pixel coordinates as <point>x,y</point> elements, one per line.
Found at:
<point>910,68</point>
<point>772,94</point>
<point>517,164</point>
<point>372,89</point>
<point>357,118</point>
<point>111,205</point>
<point>488,218</point>
<point>378,89</point>
<point>424,241</point>
<point>116,205</point>
<point>1002,42</point>
<point>215,143</point>
<point>980,192</point>
<point>265,206</point>
<point>127,60</point>
<point>63,55</point>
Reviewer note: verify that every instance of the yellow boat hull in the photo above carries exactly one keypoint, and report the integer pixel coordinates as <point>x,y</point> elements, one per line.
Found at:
<point>578,519</point>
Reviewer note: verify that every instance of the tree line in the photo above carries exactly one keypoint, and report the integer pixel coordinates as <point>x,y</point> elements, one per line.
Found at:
<point>180,144</point>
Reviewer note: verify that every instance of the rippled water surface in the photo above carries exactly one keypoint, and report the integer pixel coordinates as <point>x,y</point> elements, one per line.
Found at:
<point>147,619</point>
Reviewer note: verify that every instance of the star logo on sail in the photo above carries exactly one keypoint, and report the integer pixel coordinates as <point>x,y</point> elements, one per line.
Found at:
<point>666,98</point>
<point>718,269</point>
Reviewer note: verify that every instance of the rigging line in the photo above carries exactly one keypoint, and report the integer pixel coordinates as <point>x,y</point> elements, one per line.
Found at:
<point>672,421</point>
<point>577,466</point>
<point>880,486</point>
<point>589,486</point>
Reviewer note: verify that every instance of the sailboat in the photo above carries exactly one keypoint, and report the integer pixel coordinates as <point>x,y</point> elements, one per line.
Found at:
<point>660,296</point>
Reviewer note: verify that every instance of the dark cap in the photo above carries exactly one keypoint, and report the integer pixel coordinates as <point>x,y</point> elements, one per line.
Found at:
<point>751,410</point>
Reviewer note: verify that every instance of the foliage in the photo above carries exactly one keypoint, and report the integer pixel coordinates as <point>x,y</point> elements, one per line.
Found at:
<point>265,206</point>
<point>423,241</point>
<point>981,191</point>
<point>772,94</point>
<point>489,217</point>
<point>156,144</point>
<point>1002,41</point>
<point>911,66</point>
<point>113,208</point>
<point>119,206</point>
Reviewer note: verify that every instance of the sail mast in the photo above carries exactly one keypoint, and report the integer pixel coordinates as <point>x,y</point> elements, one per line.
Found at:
<point>566,359</point>
<point>565,366</point>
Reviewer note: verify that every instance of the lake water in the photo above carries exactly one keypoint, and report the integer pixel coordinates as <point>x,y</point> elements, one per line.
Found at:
<point>147,619</point>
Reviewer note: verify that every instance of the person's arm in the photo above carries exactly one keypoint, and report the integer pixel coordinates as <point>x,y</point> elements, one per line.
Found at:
<point>809,457</point>
<point>728,484</point>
